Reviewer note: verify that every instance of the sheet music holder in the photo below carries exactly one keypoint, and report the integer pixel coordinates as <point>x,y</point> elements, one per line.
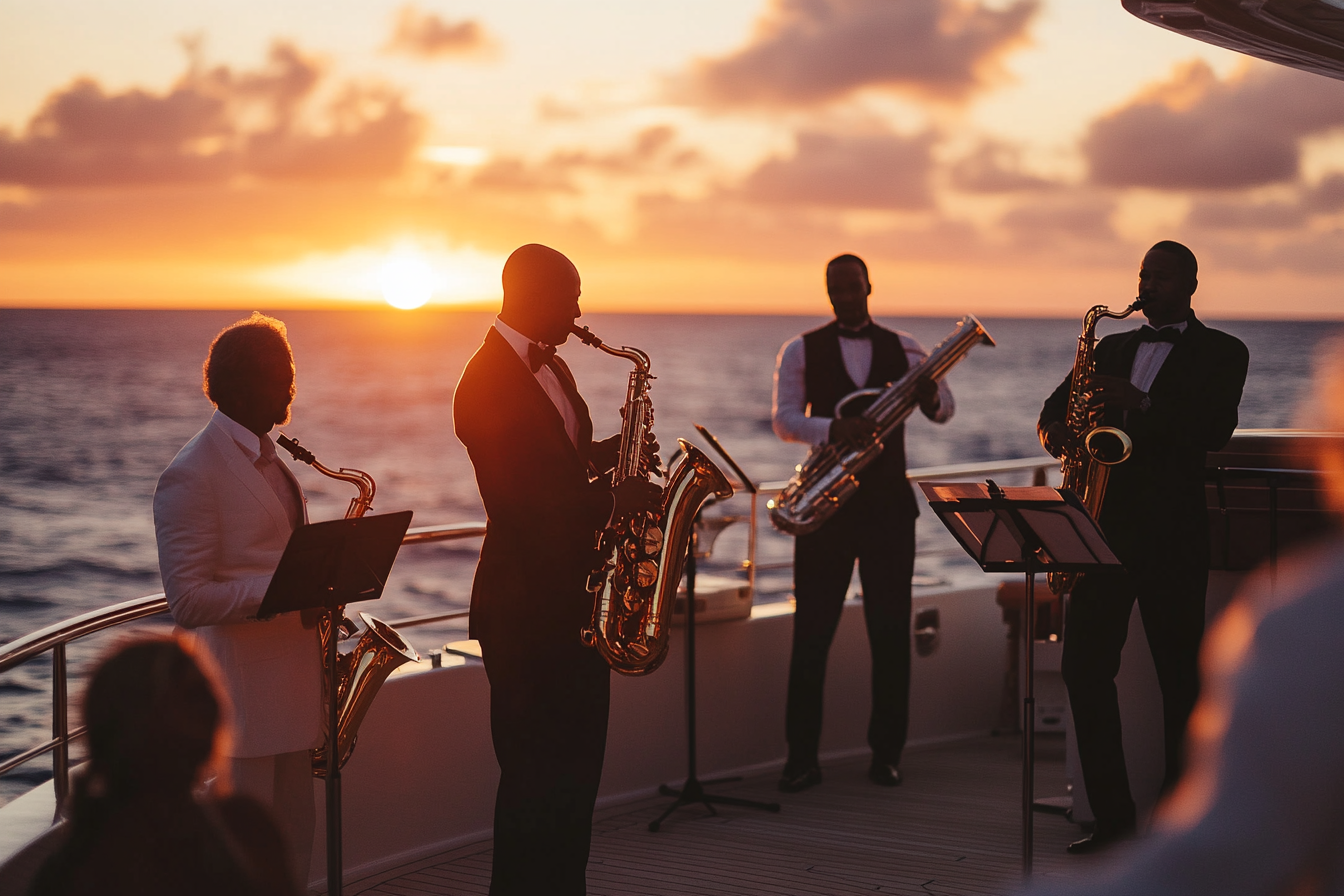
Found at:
<point>328,565</point>
<point>336,562</point>
<point>1027,530</point>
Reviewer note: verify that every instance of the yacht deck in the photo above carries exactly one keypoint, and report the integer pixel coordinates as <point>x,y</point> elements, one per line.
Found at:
<point>953,827</point>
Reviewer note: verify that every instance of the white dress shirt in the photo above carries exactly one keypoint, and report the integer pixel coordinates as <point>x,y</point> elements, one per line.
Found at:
<point>1148,360</point>
<point>789,411</point>
<point>546,378</point>
<point>260,451</point>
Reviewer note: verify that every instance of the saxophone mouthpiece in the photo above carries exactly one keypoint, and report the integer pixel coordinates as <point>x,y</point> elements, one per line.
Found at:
<point>297,451</point>
<point>1138,303</point>
<point>586,335</point>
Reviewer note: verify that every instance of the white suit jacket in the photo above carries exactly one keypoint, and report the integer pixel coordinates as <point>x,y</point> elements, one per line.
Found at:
<point>221,531</point>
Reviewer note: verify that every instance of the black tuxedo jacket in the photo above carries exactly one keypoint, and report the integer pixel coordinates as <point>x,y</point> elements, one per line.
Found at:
<point>1155,506</point>
<point>543,512</point>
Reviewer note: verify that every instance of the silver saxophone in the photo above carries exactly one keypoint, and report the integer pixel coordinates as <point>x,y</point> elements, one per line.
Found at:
<point>829,476</point>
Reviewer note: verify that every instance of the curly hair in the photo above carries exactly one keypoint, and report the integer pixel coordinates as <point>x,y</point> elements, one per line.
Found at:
<point>230,367</point>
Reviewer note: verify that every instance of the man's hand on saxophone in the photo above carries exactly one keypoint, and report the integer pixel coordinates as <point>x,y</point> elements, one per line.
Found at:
<point>634,495</point>
<point>1057,439</point>
<point>1116,391</point>
<point>853,432</point>
<point>606,452</point>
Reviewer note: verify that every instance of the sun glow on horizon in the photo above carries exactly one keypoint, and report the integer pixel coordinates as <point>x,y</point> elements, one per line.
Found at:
<point>406,274</point>
<point>406,281</point>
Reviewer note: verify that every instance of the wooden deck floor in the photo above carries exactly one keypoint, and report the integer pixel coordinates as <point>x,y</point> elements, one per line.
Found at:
<point>954,827</point>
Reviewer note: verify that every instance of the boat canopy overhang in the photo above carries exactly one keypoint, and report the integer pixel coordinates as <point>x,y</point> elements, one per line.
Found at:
<point>1303,34</point>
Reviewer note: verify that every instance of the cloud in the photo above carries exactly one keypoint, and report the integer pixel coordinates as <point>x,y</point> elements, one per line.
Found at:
<point>1195,131</point>
<point>1050,223</point>
<point>869,171</point>
<point>652,150</point>
<point>1234,214</point>
<point>807,52</point>
<point>424,35</point>
<point>213,126</point>
<point>995,167</point>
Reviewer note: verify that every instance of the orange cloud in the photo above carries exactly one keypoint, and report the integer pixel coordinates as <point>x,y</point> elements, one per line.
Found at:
<point>424,35</point>
<point>864,171</point>
<point>213,126</point>
<point>652,150</point>
<point>807,52</point>
<point>995,167</point>
<point>1197,132</point>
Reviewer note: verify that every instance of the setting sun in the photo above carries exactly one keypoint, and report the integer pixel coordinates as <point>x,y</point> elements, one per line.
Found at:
<point>406,281</point>
<point>407,273</point>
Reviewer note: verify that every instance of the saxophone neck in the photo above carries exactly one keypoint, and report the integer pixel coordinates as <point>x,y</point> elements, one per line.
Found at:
<point>361,503</point>
<point>633,355</point>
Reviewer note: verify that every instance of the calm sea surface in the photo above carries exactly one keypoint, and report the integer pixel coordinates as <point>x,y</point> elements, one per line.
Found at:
<point>94,404</point>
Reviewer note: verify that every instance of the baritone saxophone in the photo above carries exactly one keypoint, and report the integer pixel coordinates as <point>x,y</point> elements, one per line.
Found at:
<point>643,554</point>
<point>1086,466</point>
<point>361,671</point>
<point>829,476</point>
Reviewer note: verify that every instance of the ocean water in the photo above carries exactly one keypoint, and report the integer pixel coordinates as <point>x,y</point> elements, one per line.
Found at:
<point>94,404</point>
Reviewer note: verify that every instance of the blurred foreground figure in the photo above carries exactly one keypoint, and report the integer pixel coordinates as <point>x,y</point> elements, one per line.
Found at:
<point>135,826</point>
<point>1261,807</point>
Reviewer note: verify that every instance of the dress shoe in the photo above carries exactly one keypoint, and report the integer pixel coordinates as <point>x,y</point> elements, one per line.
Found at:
<point>884,774</point>
<point>1098,840</point>
<point>793,782</point>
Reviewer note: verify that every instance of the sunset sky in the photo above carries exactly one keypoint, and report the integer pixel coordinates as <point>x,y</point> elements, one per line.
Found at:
<point>1006,157</point>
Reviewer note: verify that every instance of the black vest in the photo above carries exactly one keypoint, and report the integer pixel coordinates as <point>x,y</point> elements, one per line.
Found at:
<point>826,382</point>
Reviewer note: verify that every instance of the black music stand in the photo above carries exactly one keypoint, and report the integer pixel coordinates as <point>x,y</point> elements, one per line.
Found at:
<point>1028,530</point>
<point>328,565</point>
<point>693,791</point>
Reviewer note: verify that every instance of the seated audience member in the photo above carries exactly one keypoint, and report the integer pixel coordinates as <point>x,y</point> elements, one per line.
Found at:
<point>135,824</point>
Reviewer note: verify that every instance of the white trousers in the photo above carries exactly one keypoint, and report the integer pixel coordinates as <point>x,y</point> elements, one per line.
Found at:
<point>284,784</point>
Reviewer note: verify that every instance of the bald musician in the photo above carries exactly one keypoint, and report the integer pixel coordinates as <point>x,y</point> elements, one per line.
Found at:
<point>518,411</point>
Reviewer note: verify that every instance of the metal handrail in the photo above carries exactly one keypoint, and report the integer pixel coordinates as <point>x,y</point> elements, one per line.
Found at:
<point>55,637</point>
<point>944,471</point>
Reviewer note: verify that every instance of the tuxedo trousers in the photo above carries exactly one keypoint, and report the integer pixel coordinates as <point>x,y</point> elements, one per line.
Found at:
<point>549,702</point>
<point>1171,598</point>
<point>881,539</point>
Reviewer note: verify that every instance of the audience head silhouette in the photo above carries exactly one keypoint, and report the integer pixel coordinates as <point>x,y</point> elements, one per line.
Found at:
<point>152,717</point>
<point>541,293</point>
<point>249,373</point>
<point>136,821</point>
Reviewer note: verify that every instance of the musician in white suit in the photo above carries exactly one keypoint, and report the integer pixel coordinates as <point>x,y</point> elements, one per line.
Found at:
<point>223,512</point>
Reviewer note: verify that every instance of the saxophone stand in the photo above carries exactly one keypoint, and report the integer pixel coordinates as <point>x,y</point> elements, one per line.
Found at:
<point>326,566</point>
<point>1022,530</point>
<point>693,791</point>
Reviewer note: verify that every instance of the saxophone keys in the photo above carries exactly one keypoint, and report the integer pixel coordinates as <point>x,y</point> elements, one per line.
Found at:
<point>653,541</point>
<point>646,573</point>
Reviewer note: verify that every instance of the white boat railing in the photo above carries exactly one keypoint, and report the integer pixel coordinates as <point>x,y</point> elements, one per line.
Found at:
<point>56,637</point>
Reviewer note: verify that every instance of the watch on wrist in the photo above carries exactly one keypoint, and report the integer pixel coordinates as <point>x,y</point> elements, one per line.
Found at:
<point>1145,403</point>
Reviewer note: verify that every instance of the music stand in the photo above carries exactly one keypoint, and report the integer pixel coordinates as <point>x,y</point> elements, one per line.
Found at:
<point>1028,530</point>
<point>328,565</point>
<point>693,791</point>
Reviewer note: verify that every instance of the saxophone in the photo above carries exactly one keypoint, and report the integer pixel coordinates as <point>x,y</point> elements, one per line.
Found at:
<point>1086,467</point>
<point>643,554</point>
<point>828,477</point>
<point>380,649</point>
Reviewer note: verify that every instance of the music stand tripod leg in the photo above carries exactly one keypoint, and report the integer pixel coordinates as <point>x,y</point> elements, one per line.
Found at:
<point>334,860</point>
<point>693,791</point>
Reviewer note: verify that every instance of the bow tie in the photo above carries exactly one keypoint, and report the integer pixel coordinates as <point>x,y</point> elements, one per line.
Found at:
<point>539,355</point>
<point>863,332</point>
<point>1166,334</point>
